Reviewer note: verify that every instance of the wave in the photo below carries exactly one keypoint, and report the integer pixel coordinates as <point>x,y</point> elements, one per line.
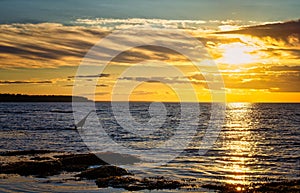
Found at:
<point>61,111</point>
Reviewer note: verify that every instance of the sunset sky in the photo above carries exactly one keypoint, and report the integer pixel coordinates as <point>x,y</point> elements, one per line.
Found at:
<point>255,44</point>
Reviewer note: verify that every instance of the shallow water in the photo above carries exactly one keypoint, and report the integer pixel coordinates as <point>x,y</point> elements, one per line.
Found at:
<point>257,142</point>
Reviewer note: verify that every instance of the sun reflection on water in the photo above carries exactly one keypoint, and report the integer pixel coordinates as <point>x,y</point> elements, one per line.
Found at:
<point>238,144</point>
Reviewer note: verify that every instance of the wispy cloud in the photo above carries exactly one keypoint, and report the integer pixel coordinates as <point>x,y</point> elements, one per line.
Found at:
<point>199,25</point>
<point>103,75</point>
<point>3,82</point>
<point>273,79</point>
<point>50,45</point>
<point>45,45</point>
<point>130,22</point>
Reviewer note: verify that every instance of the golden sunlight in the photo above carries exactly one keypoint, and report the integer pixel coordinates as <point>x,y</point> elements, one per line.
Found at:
<point>239,143</point>
<point>237,53</point>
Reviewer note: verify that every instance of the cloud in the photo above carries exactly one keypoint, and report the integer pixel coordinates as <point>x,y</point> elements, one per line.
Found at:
<point>100,93</point>
<point>198,25</point>
<point>286,31</point>
<point>142,53</point>
<point>272,78</point>
<point>45,45</point>
<point>103,75</point>
<point>95,94</point>
<point>256,45</point>
<point>284,68</point>
<point>197,79</point>
<point>102,85</point>
<point>130,22</point>
<point>141,92</point>
<point>3,82</point>
<point>50,45</point>
<point>165,80</point>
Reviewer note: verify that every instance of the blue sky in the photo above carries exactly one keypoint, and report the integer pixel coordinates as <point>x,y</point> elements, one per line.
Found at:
<point>64,11</point>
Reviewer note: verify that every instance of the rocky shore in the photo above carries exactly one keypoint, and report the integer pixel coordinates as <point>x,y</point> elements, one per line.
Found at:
<point>88,166</point>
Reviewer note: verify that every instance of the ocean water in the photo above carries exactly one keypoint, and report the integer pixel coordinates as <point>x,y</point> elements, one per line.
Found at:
<point>255,143</point>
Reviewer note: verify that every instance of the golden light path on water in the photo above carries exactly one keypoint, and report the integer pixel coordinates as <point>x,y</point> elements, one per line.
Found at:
<point>236,156</point>
<point>238,143</point>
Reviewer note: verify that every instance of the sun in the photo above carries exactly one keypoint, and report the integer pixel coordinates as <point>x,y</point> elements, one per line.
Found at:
<point>237,53</point>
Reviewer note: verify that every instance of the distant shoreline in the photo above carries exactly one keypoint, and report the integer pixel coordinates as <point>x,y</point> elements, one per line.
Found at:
<point>41,98</point>
<point>68,98</point>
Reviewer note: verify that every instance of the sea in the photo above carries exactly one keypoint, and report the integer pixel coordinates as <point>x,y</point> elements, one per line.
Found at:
<point>241,143</point>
